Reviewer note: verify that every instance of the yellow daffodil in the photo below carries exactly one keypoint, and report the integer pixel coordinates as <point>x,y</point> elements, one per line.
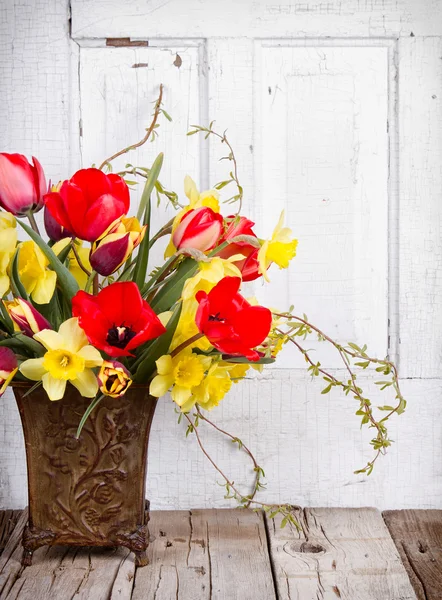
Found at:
<point>212,389</point>
<point>69,357</point>
<point>280,249</point>
<point>208,275</point>
<point>236,371</point>
<point>184,372</point>
<point>8,243</point>
<point>73,265</point>
<point>187,327</point>
<point>209,198</point>
<point>38,281</point>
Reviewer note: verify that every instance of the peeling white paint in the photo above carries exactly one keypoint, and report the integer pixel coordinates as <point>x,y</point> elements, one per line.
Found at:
<point>304,116</point>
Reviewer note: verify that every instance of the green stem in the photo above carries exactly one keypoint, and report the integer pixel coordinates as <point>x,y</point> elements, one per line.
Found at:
<point>33,222</point>
<point>89,281</point>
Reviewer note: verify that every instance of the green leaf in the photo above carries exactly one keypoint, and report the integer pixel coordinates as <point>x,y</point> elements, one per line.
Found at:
<point>139,274</point>
<point>31,344</point>
<point>7,321</point>
<point>171,291</point>
<point>150,183</point>
<point>66,281</point>
<point>95,402</point>
<point>242,359</point>
<point>51,311</point>
<point>158,347</point>
<point>15,279</point>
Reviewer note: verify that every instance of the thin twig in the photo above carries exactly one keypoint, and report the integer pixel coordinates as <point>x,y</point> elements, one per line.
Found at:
<point>77,256</point>
<point>145,138</point>
<point>256,467</point>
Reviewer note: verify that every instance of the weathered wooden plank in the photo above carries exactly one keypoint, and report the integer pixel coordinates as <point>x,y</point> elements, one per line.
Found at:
<point>8,520</point>
<point>418,538</point>
<point>204,554</point>
<point>60,572</point>
<point>338,553</point>
<point>255,18</point>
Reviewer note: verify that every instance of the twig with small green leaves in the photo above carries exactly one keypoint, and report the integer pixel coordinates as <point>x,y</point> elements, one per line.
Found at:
<point>301,328</point>
<point>232,492</point>
<point>259,471</point>
<point>231,156</point>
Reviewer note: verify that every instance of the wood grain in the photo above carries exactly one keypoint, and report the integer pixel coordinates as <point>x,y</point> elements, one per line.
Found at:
<point>338,553</point>
<point>8,520</point>
<point>418,537</point>
<point>206,554</point>
<point>63,572</point>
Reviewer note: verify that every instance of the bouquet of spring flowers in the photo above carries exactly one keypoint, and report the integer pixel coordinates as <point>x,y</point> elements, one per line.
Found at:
<point>83,307</point>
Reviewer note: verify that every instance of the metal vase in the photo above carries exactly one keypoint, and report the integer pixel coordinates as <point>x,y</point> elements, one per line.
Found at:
<point>88,491</point>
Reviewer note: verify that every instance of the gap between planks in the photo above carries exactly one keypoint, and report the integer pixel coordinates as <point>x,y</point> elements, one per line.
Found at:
<point>227,554</point>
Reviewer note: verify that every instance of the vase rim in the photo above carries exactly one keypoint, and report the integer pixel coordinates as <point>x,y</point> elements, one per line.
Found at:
<point>25,384</point>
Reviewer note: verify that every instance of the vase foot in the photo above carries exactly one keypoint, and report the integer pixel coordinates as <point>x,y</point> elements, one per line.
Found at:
<point>26,560</point>
<point>141,559</point>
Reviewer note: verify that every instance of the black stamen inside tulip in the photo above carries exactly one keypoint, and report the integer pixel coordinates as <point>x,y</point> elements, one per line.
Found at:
<point>120,336</point>
<point>216,318</point>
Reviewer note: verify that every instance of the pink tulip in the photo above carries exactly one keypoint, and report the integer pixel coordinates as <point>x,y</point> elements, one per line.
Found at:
<point>8,367</point>
<point>248,265</point>
<point>22,185</point>
<point>26,317</point>
<point>199,229</point>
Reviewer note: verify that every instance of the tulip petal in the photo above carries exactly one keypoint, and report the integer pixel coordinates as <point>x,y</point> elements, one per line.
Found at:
<point>86,383</point>
<point>102,213</point>
<point>33,369</point>
<point>17,184</point>
<point>118,299</point>
<point>252,325</point>
<point>54,388</point>
<point>111,253</point>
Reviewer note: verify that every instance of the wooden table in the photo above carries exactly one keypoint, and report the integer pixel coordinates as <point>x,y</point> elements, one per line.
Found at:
<point>352,554</point>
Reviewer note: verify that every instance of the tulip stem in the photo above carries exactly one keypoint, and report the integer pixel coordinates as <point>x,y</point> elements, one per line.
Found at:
<point>33,222</point>
<point>89,281</point>
<point>156,113</point>
<point>95,284</point>
<point>188,342</point>
<point>77,256</point>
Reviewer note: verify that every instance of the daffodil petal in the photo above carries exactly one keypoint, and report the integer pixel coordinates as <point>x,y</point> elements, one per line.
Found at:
<point>73,335</point>
<point>180,395</point>
<point>51,340</point>
<point>86,383</point>
<point>160,385</point>
<point>164,364</point>
<point>4,285</point>
<point>33,369</point>
<point>92,357</point>
<point>45,287</point>
<point>54,388</point>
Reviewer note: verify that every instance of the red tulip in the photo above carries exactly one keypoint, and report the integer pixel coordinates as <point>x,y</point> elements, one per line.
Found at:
<point>117,319</point>
<point>22,185</point>
<point>200,228</point>
<point>249,265</point>
<point>55,231</point>
<point>229,322</point>
<point>89,202</point>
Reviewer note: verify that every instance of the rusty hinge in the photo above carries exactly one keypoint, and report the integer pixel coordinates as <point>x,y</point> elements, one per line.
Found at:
<point>124,42</point>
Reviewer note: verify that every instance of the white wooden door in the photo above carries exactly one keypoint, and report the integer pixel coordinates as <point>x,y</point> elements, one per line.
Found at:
<point>334,110</point>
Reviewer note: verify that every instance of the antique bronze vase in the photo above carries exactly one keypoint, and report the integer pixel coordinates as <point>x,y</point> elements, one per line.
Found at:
<point>90,491</point>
